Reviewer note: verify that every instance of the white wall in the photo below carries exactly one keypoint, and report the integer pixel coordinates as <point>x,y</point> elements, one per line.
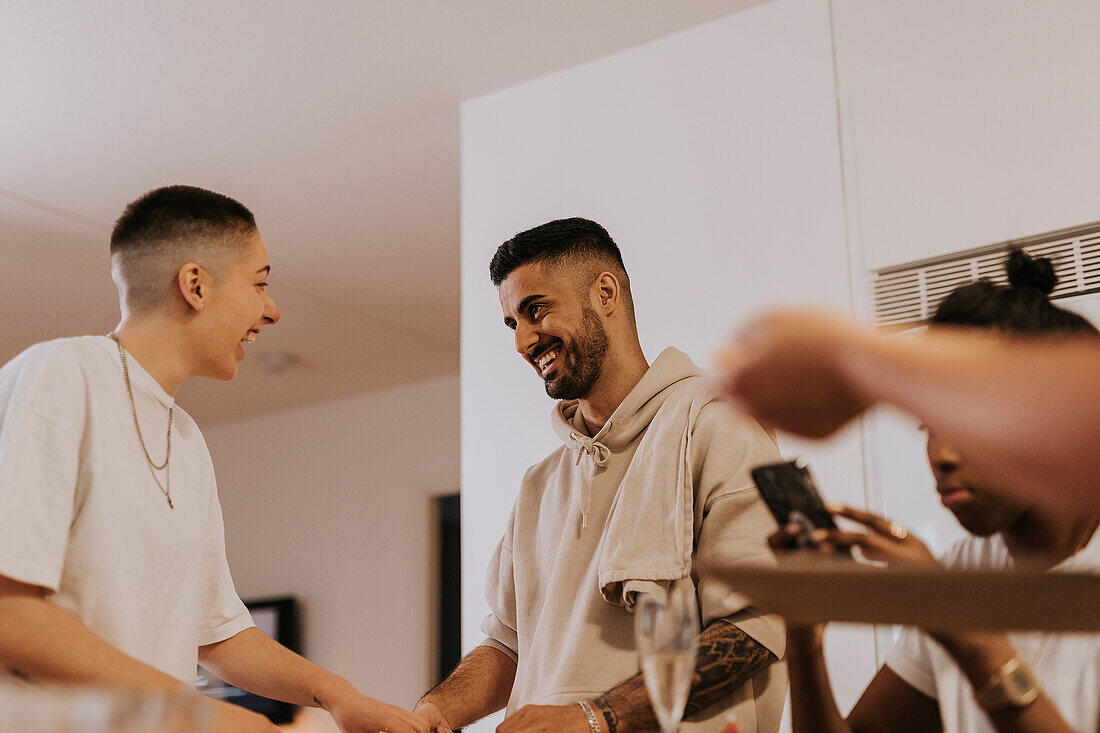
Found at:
<point>970,122</point>
<point>715,159</point>
<point>332,504</point>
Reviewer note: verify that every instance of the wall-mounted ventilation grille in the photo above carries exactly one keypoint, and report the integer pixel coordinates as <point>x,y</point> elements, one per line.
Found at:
<point>908,294</point>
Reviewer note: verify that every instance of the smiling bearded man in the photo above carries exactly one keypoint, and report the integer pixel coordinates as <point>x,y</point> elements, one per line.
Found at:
<point>112,562</point>
<point>650,489</point>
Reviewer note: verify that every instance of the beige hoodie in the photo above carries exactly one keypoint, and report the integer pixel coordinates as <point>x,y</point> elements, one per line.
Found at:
<point>592,525</point>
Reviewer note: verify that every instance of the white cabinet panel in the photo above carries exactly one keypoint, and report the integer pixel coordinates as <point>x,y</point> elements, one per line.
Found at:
<point>996,142</point>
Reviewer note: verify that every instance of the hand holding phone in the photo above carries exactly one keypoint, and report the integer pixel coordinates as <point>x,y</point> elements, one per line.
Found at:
<point>788,490</point>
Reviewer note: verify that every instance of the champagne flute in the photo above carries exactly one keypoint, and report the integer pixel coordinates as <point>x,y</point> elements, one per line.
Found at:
<point>666,631</point>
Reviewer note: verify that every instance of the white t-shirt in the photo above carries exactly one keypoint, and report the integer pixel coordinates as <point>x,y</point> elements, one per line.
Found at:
<point>1066,665</point>
<point>81,515</point>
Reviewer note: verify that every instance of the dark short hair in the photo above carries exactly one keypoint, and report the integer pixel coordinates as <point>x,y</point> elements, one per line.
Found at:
<point>556,242</point>
<point>176,212</point>
<point>167,227</point>
<point>1021,307</point>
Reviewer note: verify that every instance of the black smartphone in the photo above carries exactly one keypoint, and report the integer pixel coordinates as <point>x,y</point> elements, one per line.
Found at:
<point>789,491</point>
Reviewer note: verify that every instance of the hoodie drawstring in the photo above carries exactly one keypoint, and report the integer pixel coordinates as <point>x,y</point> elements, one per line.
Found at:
<point>598,453</point>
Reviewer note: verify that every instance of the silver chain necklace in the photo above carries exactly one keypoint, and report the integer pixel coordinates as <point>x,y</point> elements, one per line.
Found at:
<point>166,487</point>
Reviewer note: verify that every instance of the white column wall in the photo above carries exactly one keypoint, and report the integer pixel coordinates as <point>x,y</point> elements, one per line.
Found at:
<point>712,158</point>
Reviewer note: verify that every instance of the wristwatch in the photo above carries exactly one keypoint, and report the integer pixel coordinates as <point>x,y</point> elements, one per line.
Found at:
<point>1011,686</point>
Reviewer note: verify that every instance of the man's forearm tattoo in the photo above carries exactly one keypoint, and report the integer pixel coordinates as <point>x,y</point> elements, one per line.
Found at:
<point>609,715</point>
<point>727,658</point>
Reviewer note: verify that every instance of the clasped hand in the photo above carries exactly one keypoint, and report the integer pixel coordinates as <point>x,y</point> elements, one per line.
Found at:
<point>528,719</point>
<point>361,714</point>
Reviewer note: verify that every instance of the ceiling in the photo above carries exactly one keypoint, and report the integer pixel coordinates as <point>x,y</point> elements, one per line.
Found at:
<point>335,121</point>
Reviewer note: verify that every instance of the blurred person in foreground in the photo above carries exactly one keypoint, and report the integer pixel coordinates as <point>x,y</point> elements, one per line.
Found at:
<point>112,559</point>
<point>1026,406</point>
<point>968,682</point>
<point>650,488</point>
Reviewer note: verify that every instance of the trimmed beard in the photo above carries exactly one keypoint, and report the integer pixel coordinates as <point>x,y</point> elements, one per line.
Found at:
<point>586,354</point>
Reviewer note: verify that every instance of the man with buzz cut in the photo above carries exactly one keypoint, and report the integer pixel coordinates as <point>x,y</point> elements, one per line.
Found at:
<point>649,490</point>
<point>112,559</point>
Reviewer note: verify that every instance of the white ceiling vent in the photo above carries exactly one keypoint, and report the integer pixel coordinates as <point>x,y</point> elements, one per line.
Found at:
<point>906,295</point>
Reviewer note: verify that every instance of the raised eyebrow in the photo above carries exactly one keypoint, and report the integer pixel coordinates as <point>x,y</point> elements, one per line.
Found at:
<point>266,270</point>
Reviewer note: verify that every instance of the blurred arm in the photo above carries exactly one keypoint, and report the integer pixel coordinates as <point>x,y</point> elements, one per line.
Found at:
<point>1027,411</point>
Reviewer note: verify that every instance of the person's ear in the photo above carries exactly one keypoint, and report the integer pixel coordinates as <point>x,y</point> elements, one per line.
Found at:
<point>193,282</point>
<point>607,293</point>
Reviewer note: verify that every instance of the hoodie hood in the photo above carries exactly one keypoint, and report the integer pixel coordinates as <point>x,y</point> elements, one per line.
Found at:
<point>636,411</point>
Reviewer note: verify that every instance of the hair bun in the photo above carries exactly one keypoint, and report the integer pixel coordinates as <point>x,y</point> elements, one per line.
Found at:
<point>1024,271</point>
